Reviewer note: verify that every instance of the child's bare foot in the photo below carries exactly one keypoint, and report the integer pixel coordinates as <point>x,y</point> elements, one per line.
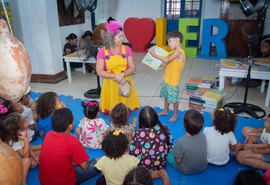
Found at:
<point>174,118</point>
<point>165,177</point>
<point>163,113</point>
<point>155,174</point>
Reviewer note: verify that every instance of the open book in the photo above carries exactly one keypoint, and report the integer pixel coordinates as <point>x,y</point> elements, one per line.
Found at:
<point>153,62</point>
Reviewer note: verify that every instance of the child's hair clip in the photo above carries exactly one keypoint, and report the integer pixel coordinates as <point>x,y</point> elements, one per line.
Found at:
<point>3,109</point>
<point>221,109</point>
<point>117,132</point>
<point>90,103</point>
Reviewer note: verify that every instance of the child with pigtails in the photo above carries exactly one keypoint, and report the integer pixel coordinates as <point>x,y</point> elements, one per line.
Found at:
<point>220,137</point>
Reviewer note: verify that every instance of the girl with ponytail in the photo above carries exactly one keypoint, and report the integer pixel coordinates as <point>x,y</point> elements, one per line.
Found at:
<point>152,141</point>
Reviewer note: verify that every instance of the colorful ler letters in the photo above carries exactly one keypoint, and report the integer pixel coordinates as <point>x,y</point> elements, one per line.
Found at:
<point>134,31</point>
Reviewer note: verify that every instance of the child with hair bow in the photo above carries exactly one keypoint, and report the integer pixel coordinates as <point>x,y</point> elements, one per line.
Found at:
<point>116,163</point>
<point>91,129</point>
<point>220,138</point>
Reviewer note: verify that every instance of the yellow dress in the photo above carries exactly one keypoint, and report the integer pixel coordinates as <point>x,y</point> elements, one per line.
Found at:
<point>110,97</point>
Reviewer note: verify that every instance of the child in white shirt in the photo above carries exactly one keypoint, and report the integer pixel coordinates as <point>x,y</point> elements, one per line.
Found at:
<point>220,138</point>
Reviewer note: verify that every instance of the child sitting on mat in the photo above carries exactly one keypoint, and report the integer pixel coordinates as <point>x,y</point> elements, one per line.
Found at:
<point>256,151</point>
<point>10,107</point>
<point>258,135</point>
<point>63,159</point>
<point>249,177</point>
<point>141,176</point>
<point>116,163</point>
<point>220,138</point>
<point>91,129</point>
<point>47,103</point>
<point>151,142</point>
<point>119,120</point>
<point>13,131</point>
<point>190,150</point>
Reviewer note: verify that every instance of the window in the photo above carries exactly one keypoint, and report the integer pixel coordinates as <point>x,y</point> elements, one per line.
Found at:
<point>172,8</point>
<point>175,9</point>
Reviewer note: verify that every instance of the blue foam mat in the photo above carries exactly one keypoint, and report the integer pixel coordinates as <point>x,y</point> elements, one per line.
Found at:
<point>214,175</point>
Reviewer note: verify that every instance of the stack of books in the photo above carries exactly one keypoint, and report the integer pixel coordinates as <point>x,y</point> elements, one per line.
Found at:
<point>206,99</point>
<point>195,83</point>
<point>259,66</point>
<point>233,64</point>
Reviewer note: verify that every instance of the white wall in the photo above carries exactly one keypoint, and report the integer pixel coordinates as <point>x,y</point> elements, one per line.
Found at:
<point>140,8</point>
<point>105,9</point>
<point>38,28</point>
<point>53,36</point>
<point>267,22</point>
<point>211,8</point>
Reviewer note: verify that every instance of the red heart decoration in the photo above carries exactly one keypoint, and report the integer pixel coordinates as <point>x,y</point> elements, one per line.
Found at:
<point>139,32</point>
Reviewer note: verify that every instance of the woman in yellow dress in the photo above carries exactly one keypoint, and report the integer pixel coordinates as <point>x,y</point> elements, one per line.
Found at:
<point>115,65</point>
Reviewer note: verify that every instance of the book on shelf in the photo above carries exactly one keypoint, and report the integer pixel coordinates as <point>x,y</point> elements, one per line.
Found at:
<point>155,63</point>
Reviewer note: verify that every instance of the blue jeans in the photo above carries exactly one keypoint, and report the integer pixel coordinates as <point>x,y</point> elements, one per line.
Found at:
<point>83,175</point>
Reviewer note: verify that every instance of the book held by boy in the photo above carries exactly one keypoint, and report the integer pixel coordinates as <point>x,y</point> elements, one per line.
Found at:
<point>154,63</point>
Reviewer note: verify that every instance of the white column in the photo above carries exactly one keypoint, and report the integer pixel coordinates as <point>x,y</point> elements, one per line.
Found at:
<point>267,22</point>
<point>38,28</point>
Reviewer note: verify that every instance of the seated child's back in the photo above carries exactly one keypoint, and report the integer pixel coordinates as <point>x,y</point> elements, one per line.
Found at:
<point>220,138</point>
<point>61,152</point>
<point>116,164</point>
<point>119,120</point>
<point>152,141</point>
<point>91,129</point>
<point>190,150</point>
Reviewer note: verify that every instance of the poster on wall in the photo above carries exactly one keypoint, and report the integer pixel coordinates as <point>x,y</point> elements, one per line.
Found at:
<point>69,13</point>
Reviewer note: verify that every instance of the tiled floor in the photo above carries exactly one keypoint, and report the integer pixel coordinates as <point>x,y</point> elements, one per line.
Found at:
<point>147,82</point>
